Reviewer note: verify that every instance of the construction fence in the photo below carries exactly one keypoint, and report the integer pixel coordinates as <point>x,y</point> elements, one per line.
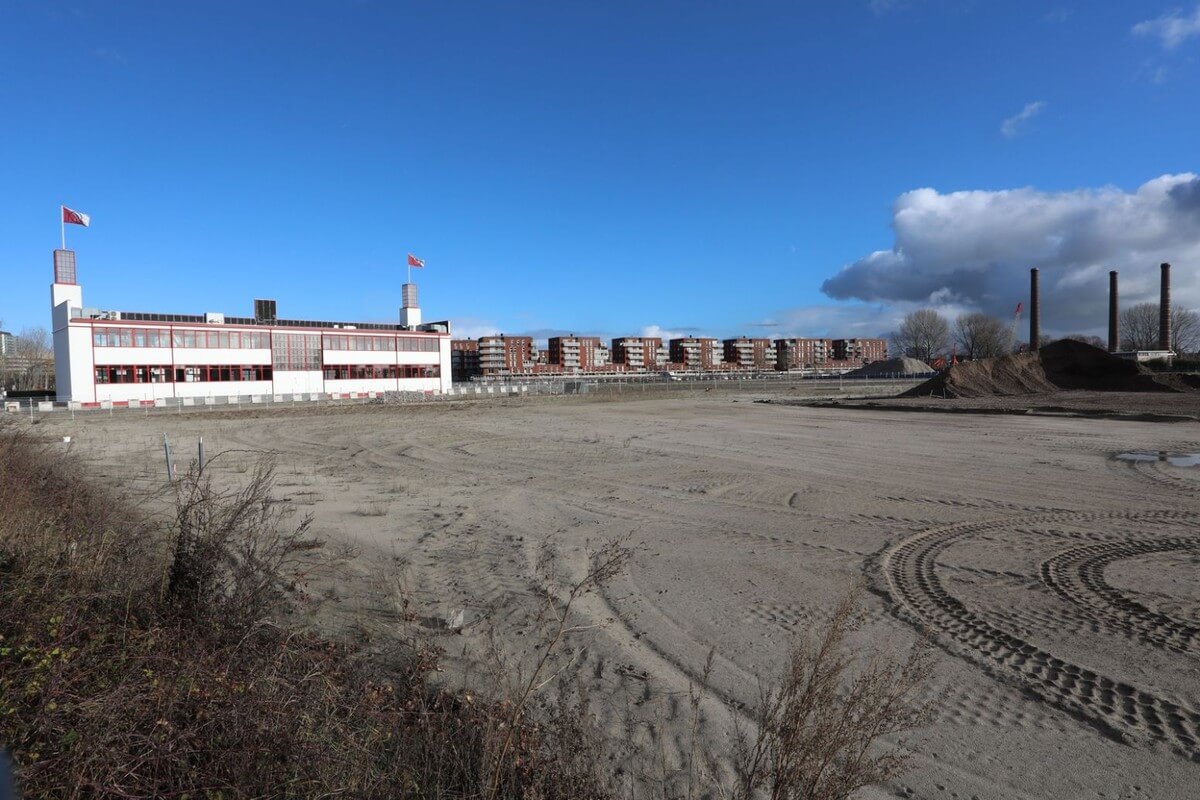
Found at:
<point>831,385</point>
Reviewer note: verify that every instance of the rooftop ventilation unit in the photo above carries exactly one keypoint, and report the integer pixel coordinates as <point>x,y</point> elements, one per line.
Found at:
<point>264,311</point>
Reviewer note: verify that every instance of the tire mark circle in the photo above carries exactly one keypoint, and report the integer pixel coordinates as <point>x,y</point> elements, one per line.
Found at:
<point>1116,708</point>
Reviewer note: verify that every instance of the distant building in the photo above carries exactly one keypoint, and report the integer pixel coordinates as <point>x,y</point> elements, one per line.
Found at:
<point>506,355</point>
<point>749,353</point>
<point>141,357</point>
<point>578,353</point>
<point>693,352</point>
<point>7,343</point>
<point>464,359</point>
<point>803,353</point>
<point>860,351</point>
<point>639,352</point>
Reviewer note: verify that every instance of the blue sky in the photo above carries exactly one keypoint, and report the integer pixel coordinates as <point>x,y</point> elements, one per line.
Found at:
<point>607,167</point>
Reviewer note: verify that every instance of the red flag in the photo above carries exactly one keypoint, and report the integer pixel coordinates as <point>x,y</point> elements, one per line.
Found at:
<point>413,261</point>
<point>75,217</point>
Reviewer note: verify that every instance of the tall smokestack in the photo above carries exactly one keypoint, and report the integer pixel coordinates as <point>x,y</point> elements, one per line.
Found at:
<point>1035,311</point>
<point>1114,332</point>
<point>1164,310</point>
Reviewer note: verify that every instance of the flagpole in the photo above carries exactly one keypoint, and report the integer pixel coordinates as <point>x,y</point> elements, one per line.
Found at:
<point>62,222</point>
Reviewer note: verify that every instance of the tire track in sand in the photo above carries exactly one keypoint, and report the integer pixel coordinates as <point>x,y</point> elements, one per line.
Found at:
<point>1078,577</point>
<point>1118,709</point>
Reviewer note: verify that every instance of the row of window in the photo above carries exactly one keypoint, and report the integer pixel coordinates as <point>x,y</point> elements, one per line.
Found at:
<point>237,340</point>
<point>142,373</point>
<point>206,373</point>
<point>355,372</point>
<point>404,344</point>
<point>161,337</point>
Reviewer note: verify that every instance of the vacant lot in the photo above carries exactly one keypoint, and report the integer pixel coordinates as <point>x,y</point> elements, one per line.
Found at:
<point>1058,583</point>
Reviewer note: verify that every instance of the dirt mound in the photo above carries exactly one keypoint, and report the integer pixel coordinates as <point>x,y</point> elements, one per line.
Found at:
<point>892,366</point>
<point>1062,365</point>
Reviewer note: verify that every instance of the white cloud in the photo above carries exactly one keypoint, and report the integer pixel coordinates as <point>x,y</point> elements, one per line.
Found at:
<point>973,250</point>
<point>664,333</point>
<point>472,328</point>
<point>1171,29</point>
<point>1057,15</point>
<point>1016,124</point>
<point>880,7</point>
<point>855,320</point>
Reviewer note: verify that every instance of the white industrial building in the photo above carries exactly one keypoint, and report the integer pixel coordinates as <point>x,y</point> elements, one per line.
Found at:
<point>124,357</point>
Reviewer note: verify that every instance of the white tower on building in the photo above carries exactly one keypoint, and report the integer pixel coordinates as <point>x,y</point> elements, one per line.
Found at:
<point>410,313</point>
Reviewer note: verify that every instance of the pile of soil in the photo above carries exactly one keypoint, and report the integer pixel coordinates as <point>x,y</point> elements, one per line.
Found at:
<point>1062,365</point>
<point>892,366</point>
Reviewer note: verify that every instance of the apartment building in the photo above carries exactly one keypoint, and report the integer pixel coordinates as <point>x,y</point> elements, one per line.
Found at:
<point>506,355</point>
<point>749,353</point>
<point>859,351</point>
<point>578,353</point>
<point>802,353</point>
<point>639,352</point>
<point>693,352</point>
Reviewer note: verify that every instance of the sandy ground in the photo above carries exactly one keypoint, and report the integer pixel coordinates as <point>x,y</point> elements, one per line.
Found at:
<point>1164,406</point>
<point>1059,584</point>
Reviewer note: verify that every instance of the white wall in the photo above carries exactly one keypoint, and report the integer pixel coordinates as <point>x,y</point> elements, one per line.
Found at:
<point>339,357</point>
<point>383,385</point>
<point>133,355</point>
<point>209,355</point>
<point>218,388</point>
<point>422,358</point>
<point>73,373</point>
<point>133,392</point>
<point>183,356</point>
<point>443,354</point>
<point>295,382</point>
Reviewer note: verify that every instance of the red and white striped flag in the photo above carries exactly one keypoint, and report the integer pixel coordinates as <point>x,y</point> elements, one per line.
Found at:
<point>75,217</point>
<point>413,261</point>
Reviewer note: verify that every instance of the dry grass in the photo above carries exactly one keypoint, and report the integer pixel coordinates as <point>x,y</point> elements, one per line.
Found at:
<point>818,729</point>
<point>142,662</point>
<point>148,659</point>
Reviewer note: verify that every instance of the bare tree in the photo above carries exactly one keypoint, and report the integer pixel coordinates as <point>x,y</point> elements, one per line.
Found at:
<point>1139,328</point>
<point>924,334</point>
<point>982,335</point>
<point>30,365</point>
<point>1185,330</point>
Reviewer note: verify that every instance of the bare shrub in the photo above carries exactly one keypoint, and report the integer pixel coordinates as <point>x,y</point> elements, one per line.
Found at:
<point>135,662</point>
<point>575,768</point>
<point>139,661</point>
<point>817,728</point>
<point>234,556</point>
<point>376,508</point>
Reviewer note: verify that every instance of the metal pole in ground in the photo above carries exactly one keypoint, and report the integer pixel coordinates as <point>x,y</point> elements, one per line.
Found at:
<point>200,462</point>
<point>167,455</point>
